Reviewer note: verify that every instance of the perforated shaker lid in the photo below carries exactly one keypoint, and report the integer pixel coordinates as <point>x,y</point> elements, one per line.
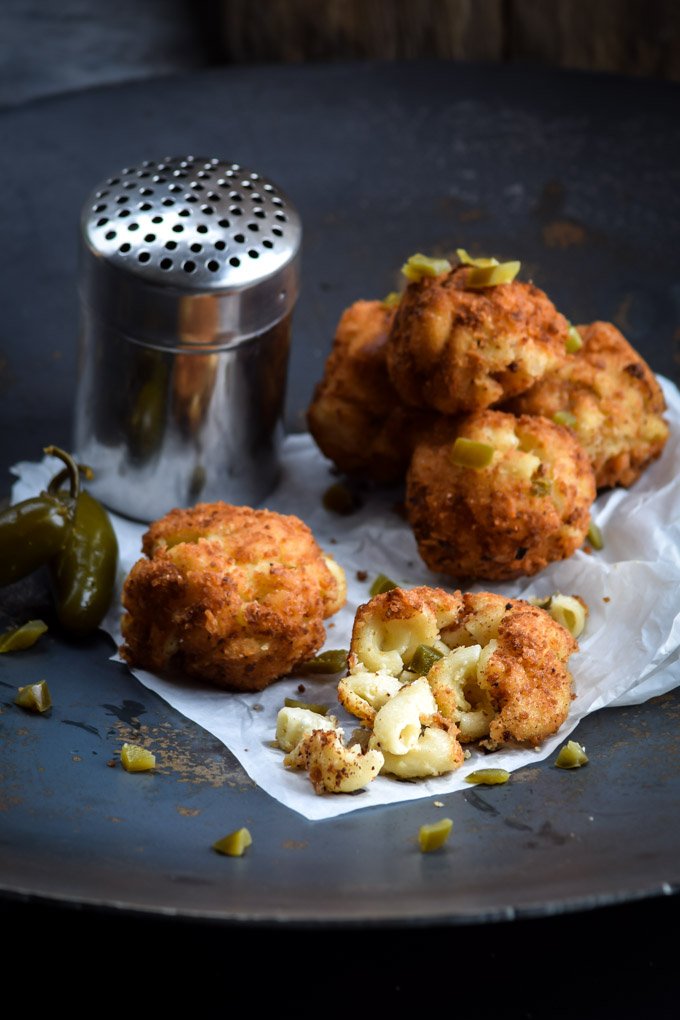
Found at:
<point>189,252</point>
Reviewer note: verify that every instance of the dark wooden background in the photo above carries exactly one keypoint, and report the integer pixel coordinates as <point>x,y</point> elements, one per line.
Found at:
<point>48,48</point>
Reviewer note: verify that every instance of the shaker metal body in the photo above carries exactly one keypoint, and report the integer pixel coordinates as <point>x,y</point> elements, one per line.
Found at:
<point>188,278</point>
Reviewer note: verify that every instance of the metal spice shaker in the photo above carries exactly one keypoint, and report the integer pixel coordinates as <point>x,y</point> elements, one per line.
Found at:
<point>188,277</point>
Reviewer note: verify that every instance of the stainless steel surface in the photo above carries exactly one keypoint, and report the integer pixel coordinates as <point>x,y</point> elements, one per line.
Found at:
<point>188,278</point>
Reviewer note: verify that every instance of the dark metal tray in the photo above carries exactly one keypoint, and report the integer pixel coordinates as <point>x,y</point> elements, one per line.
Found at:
<point>577,176</point>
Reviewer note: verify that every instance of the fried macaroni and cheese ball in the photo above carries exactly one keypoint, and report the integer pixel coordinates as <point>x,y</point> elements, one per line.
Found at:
<point>499,497</point>
<point>384,688</point>
<point>456,349</point>
<point>230,595</point>
<point>492,669</point>
<point>355,416</point>
<point>607,394</point>
<point>520,685</point>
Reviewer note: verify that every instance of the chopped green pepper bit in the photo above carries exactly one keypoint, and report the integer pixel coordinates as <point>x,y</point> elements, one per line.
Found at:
<point>565,418</point>
<point>432,837</point>
<point>594,536</point>
<point>308,705</point>
<point>471,453</point>
<point>541,486</point>
<point>382,584</point>
<point>136,759</point>
<point>467,260</point>
<point>17,638</point>
<point>424,659</point>
<point>418,266</point>
<point>34,697</point>
<point>339,499</point>
<point>492,276</point>
<point>332,661</point>
<point>571,756</point>
<point>234,844</point>
<point>488,777</point>
<point>574,342</point>
<point>392,299</point>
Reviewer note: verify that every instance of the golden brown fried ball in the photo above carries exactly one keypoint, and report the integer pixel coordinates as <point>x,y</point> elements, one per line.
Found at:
<point>497,671</point>
<point>521,681</point>
<point>615,400</point>
<point>454,349</point>
<point>355,416</point>
<point>230,595</point>
<point>527,508</point>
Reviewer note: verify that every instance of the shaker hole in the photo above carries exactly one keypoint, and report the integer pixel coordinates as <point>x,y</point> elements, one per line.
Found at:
<point>267,243</point>
<point>253,253</point>
<point>184,212</point>
<point>277,231</point>
<point>124,248</point>
<point>196,186</point>
<point>168,201</point>
<point>110,234</point>
<point>201,229</point>
<point>103,221</point>
<point>239,238</point>
<point>171,245</point>
<point>235,211</point>
<point>213,266</point>
<point>253,226</point>
<point>156,219</point>
<point>260,213</point>
<point>197,247</point>
<point>166,263</point>
<point>188,266</point>
<point>223,223</point>
<point>220,245</point>
<point>174,188</point>
<point>207,210</point>
<point>190,198</point>
<point>143,256</point>
<point>178,228</point>
<point>122,199</point>
<point>146,191</point>
<point>233,261</point>
<point>149,238</point>
<point>133,226</point>
<point>280,217</point>
<point>99,208</point>
<point>145,206</point>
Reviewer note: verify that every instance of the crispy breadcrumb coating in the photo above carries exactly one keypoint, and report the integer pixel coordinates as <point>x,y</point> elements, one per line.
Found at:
<point>230,595</point>
<point>614,398</point>
<point>529,507</point>
<point>454,349</point>
<point>355,416</point>
<point>501,676</point>
<point>522,673</point>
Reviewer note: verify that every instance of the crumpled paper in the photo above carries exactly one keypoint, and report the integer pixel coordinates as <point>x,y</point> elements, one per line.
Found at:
<point>629,652</point>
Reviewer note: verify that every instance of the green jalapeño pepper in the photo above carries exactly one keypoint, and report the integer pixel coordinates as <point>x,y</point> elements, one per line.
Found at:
<point>31,533</point>
<point>84,570</point>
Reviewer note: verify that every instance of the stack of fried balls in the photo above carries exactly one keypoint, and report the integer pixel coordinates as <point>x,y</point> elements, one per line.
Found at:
<point>503,418</point>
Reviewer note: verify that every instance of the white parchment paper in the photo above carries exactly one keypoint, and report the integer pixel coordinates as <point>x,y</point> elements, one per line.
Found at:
<point>629,653</point>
